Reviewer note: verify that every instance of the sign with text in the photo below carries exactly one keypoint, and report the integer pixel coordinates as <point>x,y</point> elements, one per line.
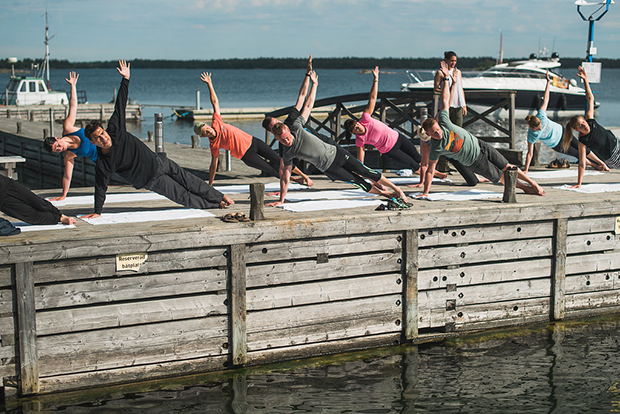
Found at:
<point>593,70</point>
<point>130,262</point>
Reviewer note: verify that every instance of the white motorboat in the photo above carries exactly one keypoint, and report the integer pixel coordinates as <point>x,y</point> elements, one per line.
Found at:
<point>527,78</point>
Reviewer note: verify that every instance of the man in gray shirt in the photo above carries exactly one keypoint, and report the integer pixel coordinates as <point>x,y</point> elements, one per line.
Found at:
<point>332,160</point>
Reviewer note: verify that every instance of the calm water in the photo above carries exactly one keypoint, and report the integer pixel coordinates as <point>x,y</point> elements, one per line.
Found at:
<point>260,88</point>
<point>563,368</point>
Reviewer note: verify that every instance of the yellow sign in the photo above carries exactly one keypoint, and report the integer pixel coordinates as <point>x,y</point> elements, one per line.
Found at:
<point>131,262</point>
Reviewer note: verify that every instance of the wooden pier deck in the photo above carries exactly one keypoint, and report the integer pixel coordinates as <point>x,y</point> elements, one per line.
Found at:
<point>214,295</point>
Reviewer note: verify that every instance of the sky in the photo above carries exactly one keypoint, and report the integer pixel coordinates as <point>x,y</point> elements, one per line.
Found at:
<point>92,30</point>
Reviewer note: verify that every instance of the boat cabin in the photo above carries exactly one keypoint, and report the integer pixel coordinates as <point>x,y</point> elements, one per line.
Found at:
<point>32,91</point>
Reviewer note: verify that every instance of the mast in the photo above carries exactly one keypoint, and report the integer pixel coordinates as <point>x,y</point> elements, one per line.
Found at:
<point>46,63</point>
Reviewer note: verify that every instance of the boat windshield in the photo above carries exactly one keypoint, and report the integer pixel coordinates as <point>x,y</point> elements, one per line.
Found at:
<point>12,86</point>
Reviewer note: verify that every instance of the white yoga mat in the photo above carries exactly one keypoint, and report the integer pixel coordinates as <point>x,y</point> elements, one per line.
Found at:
<point>245,188</point>
<point>142,216</point>
<point>329,205</point>
<point>559,173</point>
<point>38,227</point>
<point>592,188</point>
<point>460,195</point>
<point>110,198</point>
<point>327,195</point>
<point>416,179</point>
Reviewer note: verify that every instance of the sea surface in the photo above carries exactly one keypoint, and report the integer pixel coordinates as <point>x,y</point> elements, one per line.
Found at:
<point>161,90</point>
<point>562,368</point>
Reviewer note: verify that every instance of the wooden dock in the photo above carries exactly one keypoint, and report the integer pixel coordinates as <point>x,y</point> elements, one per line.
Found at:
<point>211,295</point>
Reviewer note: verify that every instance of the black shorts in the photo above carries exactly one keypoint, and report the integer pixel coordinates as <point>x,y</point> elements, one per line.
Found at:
<point>490,163</point>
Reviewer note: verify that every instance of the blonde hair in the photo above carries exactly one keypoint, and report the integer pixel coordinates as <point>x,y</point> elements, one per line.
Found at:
<point>568,131</point>
<point>532,120</point>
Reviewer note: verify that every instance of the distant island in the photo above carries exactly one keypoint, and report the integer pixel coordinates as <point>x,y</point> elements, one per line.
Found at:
<point>465,63</point>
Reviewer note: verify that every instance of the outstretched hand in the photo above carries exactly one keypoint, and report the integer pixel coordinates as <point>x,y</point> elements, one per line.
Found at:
<point>314,77</point>
<point>581,72</point>
<point>443,67</point>
<point>548,76</point>
<point>73,78</point>
<point>309,69</point>
<point>123,68</point>
<point>375,73</point>
<point>205,77</point>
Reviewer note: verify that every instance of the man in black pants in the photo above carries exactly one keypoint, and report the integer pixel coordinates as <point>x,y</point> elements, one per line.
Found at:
<point>121,152</point>
<point>19,202</point>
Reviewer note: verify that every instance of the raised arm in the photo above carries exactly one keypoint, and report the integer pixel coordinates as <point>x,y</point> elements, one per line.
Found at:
<point>309,104</point>
<point>206,78</point>
<point>69,124</point>
<point>446,92</point>
<point>372,97</point>
<point>303,91</point>
<point>589,96</point>
<point>117,120</point>
<point>545,103</point>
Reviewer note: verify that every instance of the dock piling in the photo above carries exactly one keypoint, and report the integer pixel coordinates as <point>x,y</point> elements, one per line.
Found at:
<point>257,201</point>
<point>510,181</point>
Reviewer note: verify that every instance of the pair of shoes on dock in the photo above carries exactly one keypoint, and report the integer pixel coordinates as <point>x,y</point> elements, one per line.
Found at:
<point>235,218</point>
<point>395,204</point>
<point>559,163</point>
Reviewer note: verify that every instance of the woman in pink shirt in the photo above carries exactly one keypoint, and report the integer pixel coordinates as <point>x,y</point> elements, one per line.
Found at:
<point>389,142</point>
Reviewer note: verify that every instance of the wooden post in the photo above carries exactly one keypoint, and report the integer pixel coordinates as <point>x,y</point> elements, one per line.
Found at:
<point>510,181</point>
<point>558,275</point>
<point>194,141</point>
<point>45,134</point>
<point>536,155</point>
<point>257,201</point>
<point>27,329</point>
<point>410,288</point>
<point>512,127</point>
<point>150,136</point>
<point>237,300</point>
<point>19,128</point>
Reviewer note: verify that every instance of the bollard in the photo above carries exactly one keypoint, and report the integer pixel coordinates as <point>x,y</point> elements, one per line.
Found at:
<point>51,122</point>
<point>257,201</point>
<point>197,99</point>
<point>150,138</point>
<point>19,128</point>
<point>535,155</point>
<point>45,133</point>
<point>195,141</point>
<point>159,132</point>
<point>510,181</point>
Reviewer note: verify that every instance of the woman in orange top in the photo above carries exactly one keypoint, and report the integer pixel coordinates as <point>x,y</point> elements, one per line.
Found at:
<point>251,150</point>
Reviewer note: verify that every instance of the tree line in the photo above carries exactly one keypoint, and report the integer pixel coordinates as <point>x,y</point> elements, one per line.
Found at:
<point>465,63</point>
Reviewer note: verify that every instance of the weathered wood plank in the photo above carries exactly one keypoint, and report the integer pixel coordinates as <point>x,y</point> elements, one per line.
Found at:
<point>6,301</point>
<point>323,291</point>
<point>593,242</point>
<point>133,345</point>
<point>323,332</point>
<point>410,289</point>
<point>273,321</point>
<point>590,263</point>
<point>483,274</point>
<point>299,249</point>
<point>129,288</point>
<point>591,225</point>
<point>483,252</point>
<point>27,330</point>
<point>128,314</point>
<point>307,270</point>
<point>136,373</point>
<point>592,300</point>
<point>558,274</point>
<point>89,268</point>
<point>498,292</point>
<point>5,275</point>
<point>592,282</point>
<point>237,299</point>
<point>482,233</point>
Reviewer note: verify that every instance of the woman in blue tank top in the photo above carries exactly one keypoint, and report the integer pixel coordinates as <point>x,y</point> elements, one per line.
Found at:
<point>73,141</point>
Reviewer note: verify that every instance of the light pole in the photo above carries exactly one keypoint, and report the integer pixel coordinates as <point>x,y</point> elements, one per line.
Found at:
<point>591,50</point>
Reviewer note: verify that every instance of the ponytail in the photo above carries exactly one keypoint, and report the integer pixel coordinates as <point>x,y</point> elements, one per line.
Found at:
<point>568,132</point>
<point>532,120</point>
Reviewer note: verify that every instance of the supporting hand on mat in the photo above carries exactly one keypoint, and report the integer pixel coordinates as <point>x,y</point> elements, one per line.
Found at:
<point>67,220</point>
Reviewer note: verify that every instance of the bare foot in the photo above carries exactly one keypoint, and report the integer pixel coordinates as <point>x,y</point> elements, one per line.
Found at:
<point>303,181</point>
<point>67,220</point>
<point>440,175</point>
<point>418,185</point>
<point>537,190</point>
<point>274,194</point>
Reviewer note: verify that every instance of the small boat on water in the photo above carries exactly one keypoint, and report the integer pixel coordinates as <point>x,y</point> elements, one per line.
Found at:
<point>526,77</point>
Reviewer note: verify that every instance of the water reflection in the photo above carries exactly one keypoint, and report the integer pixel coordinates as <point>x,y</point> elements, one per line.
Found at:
<point>569,367</point>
